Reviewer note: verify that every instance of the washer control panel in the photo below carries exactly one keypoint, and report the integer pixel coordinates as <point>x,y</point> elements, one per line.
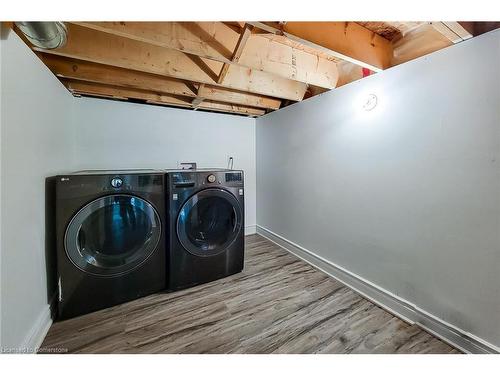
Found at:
<point>211,178</point>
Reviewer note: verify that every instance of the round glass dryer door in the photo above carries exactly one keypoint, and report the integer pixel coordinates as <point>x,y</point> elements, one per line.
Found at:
<point>209,222</point>
<point>112,235</point>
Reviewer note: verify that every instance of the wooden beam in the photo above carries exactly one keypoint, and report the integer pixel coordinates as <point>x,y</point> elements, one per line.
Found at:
<point>218,41</point>
<point>91,72</point>
<point>90,45</point>
<point>86,71</point>
<point>85,88</point>
<point>419,42</point>
<point>441,28</point>
<point>349,72</point>
<point>459,30</point>
<point>237,97</point>
<point>113,91</point>
<point>197,101</point>
<point>223,107</point>
<point>204,39</point>
<point>223,72</point>
<point>452,30</point>
<point>344,40</point>
<point>8,24</point>
<point>6,28</point>
<point>216,108</point>
<point>164,103</point>
<point>235,26</point>
<point>242,41</point>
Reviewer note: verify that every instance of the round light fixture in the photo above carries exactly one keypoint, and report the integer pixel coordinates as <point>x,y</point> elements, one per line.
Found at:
<point>370,102</point>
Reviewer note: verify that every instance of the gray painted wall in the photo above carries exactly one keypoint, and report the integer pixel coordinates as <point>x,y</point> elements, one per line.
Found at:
<point>36,142</point>
<point>407,195</point>
<point>126,135</point>
<point>45,131</point>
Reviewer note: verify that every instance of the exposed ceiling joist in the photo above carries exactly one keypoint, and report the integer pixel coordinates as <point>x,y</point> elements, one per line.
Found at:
<point>392,30</point>
<point>223,107</point>
<point>81,70</point>
<point>237,97</point>
<point>248,68</point>
<point>122,92</point>
<point>344,40</point>
<point>217,41</point>
<point>452,30</point>
<point>90,45</point>
<point>349,72</point>
<point>242,41</point>
<point>419,42</point>
<point>198,99</point>
<point>213,107</point>
<point>458,29</point>
<point>86,88</point>
<point>86,71</point>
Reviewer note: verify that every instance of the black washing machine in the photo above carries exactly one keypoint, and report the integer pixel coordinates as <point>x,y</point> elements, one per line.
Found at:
<point>110,238</point>
<point>206,226</point>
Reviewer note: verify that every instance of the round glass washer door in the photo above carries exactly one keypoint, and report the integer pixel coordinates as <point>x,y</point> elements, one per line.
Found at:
<point>209,222</point>
<point>112,235</point>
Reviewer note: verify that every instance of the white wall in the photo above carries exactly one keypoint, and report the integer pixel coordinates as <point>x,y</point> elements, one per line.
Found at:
<point>126,135</point>
<point>45,131</point>
<point>406,196</point>
<point>36,142</point>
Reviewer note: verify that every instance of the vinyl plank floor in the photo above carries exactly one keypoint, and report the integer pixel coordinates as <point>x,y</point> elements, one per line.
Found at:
<point>278,304</point>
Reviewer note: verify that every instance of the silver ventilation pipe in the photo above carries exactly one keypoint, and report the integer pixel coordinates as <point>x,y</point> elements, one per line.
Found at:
<point>47,35</point>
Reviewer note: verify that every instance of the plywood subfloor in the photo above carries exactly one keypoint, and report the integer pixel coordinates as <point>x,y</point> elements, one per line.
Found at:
<point>278,304</point>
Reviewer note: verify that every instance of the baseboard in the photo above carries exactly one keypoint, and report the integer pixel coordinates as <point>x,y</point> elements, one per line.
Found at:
<point>405,310</point>
<point>35,337</point>
<point>250,229</point>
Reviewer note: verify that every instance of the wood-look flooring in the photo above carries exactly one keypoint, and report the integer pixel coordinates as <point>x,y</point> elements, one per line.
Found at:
<point>278,304</point>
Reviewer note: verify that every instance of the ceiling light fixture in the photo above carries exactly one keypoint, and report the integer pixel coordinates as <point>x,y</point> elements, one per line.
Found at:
<point>370,102</point>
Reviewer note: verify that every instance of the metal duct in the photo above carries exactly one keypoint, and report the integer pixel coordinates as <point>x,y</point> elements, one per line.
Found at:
<point>47,35</point>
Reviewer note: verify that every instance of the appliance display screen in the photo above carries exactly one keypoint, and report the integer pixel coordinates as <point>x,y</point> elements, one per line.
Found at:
<point>230,177</point>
